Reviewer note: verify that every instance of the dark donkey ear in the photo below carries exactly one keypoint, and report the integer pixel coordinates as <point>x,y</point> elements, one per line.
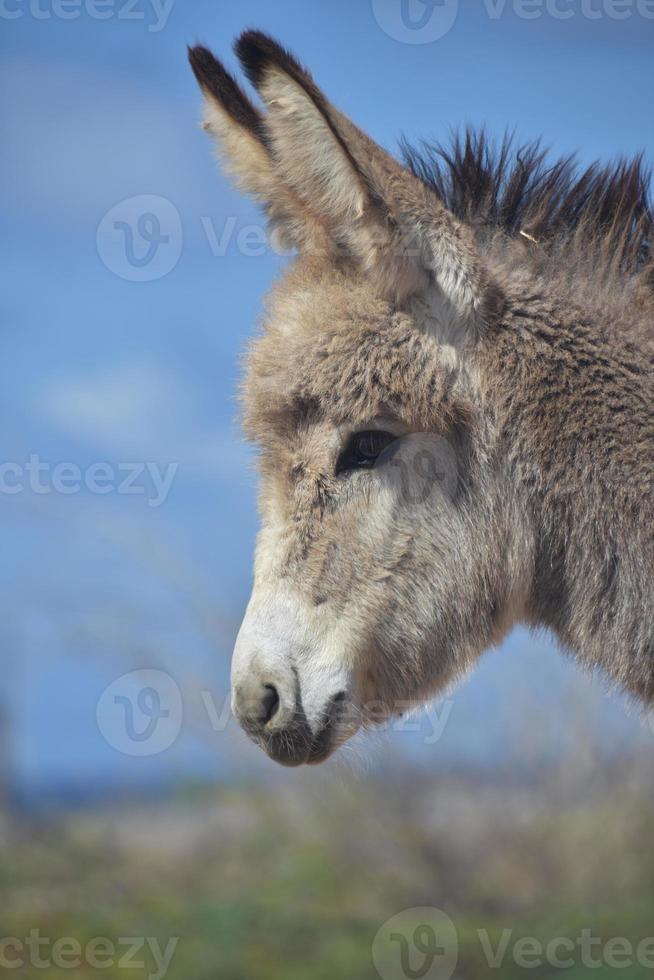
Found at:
<point>392,224</point>
<point>240,133</point>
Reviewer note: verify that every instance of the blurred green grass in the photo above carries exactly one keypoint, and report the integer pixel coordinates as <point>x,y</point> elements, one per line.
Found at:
<point>292,881</point>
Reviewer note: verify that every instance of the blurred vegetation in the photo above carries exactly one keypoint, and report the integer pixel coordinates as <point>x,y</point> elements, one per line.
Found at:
<point>292,880</point>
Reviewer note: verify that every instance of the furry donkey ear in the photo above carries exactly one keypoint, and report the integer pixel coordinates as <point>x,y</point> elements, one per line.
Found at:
<point>240,133</point>
<point>234,122</point>
<point>388,219</point>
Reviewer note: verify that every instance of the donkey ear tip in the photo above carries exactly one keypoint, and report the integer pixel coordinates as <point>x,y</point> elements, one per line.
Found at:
<point>209,73</point>
<point>214,79</point>
<point>203,62</point>
<point>256,51</point>
<point>198,52</point>
<point>253,39</point>
<point>253,51</point>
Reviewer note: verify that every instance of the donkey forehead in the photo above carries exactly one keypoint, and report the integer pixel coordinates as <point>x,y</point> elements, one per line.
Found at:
<point>333,351</point>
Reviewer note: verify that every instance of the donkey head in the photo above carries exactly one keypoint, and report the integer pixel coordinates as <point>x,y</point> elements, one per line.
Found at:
<point>388,558</point>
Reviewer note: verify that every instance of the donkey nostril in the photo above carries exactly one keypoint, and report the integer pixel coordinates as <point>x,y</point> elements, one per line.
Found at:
<point>269,703</point>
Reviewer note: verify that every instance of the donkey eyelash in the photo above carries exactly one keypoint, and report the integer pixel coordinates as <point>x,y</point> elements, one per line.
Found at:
<point>363,450</point>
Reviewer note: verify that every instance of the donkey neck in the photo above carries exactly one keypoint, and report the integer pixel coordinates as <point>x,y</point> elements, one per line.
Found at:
<point>574,404</point>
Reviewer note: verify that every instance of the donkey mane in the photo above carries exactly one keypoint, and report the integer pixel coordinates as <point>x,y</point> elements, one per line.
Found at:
<point>601,212</point>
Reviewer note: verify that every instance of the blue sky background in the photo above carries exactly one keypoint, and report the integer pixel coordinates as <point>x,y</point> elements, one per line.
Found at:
<point>98,368</point>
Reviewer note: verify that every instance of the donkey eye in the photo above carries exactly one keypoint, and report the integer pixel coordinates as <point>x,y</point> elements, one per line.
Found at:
<point>363,450</point>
